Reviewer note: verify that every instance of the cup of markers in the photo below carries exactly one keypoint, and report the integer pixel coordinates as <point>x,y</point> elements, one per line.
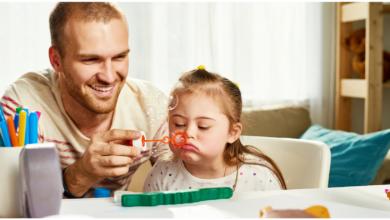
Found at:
<point>15,132</point>
<point>20,130</point>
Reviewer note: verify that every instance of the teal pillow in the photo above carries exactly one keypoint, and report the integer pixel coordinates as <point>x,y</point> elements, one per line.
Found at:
<point>355,158</point>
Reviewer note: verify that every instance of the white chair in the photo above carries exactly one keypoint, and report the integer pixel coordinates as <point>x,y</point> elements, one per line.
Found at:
<point>304,164</point>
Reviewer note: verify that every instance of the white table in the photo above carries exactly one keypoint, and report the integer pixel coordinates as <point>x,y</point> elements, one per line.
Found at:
<point>372,197</point>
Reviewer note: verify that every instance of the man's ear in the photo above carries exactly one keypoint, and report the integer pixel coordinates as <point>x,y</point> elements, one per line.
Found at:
<point>55,59</point>
<point>235,133</point>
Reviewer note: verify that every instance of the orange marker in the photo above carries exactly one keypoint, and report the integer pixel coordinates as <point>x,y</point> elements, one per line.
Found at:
<point>12,132</point>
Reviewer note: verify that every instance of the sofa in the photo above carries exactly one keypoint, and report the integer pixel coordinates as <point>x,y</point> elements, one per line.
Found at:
<point>286,122</point>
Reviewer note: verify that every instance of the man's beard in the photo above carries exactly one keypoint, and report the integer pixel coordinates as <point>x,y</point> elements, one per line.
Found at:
<point>100,105</point>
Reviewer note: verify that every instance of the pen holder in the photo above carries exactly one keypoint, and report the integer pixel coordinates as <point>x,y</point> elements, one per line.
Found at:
<point>10,196</point>
<point>41,180</point>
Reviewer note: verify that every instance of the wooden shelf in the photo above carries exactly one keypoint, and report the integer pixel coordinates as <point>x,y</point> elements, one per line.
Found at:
<point>358,11</point>
<point>354,11</point>
<point>370,89</point>
<point>354,88</point>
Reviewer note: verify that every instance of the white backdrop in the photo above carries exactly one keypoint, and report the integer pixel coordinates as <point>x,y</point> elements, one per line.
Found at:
<point>279,53</point>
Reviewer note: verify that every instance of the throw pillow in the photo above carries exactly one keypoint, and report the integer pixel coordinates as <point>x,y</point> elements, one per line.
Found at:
<point>355,158</point>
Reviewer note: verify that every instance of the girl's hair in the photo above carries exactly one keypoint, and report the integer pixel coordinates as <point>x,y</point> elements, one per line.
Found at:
<point>228,96</point>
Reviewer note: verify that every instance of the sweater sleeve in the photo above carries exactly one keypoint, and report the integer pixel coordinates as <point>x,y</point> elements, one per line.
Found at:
<point>9,102</point>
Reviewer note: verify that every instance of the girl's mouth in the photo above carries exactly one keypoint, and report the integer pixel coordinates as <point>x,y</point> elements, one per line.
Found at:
<point>190,146</point>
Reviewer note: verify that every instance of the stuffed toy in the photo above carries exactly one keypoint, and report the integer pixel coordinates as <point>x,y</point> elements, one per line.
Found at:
<point>356,43</point>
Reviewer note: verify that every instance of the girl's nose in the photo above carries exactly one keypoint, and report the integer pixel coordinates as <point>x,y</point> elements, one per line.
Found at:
<point>190,131</point>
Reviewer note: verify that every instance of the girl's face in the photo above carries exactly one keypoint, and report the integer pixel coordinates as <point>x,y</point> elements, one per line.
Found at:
<point>207,129</point>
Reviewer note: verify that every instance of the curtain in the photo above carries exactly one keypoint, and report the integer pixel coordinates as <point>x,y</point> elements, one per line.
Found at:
<point>278,53</point>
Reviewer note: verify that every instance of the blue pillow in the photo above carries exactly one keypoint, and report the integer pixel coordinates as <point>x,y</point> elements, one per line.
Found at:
<point>355,158</point>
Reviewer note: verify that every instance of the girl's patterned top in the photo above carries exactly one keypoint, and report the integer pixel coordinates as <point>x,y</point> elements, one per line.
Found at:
<point>168,176</point>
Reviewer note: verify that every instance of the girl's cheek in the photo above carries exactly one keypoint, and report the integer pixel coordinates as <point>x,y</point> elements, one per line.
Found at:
<point>172,147</point>
<point>211,145</point>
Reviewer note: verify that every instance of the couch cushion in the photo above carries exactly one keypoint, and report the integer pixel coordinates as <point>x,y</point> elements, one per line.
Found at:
<point>383,174</point>
<point>289,122</point>
<point>355,158</point>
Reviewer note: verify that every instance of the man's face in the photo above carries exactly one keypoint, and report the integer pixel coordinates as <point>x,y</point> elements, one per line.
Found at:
<point>95,64</point>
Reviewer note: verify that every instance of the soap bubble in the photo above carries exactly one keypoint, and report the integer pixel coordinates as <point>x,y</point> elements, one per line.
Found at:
<point>179,139</point>
<point>166,139</point>
<point>154,152</point>
<point>161,117</point>
<point>157,93</point>
<point>152,121</point>
<point>169,103</point>
<point>150,111</point>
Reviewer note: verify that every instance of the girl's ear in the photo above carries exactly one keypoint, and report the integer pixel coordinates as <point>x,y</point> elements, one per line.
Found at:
<point>235,133</point>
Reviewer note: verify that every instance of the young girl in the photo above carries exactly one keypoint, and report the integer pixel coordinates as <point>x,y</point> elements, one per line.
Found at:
<point>208,112</point>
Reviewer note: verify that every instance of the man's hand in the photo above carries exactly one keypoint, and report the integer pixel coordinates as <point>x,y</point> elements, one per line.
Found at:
<point>107,155</point>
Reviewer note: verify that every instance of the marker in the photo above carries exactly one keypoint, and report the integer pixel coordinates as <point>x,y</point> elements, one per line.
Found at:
<point>16,122</point>
<point>27,136</point>
<point>16,119</point>
<point>5,133</point>
<point>22,127</point>
<point>33,130</point>
<point>12,132</point>
<point>1,140</point>
<point>2,117</point>
<point>39,114</point>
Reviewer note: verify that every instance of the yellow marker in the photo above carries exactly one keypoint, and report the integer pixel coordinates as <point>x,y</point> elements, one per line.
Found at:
<point>22,127</point>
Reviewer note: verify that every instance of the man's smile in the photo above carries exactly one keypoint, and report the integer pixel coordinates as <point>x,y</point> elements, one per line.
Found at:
<point>103,90</point>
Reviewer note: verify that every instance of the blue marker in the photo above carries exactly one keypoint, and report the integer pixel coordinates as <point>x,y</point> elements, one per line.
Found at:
<point>33,130</point>
<point>101,193</point>
<point>2,117</point>
<point>1,140</point>
<point>27,134</point>
<point>16,121</point>
<point>5,133</point>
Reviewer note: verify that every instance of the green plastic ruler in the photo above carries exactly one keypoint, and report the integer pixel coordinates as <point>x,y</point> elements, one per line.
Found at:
<point>176,197</point>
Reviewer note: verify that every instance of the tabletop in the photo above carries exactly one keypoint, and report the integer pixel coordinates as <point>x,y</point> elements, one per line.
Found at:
<point>362,201</point>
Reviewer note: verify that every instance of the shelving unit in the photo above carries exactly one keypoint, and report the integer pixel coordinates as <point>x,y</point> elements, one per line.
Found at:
<point>370,88</point>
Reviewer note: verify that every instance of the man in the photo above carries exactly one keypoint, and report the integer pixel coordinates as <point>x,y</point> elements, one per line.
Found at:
<point>88,107</point>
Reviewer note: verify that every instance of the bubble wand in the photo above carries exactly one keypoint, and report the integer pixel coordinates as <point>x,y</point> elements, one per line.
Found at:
<point>179,139</point>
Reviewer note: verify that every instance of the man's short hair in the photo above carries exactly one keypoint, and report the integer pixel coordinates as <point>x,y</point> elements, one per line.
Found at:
<point>81,11</point>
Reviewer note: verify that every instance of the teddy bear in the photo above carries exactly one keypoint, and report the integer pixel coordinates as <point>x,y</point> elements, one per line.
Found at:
<point>356,43</point>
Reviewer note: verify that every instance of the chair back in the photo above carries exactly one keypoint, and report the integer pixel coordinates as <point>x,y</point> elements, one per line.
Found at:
<point>304,164</point>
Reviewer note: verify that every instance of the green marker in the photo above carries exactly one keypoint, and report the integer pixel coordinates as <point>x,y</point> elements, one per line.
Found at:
<point>176,197</point>
<point>18,109</point>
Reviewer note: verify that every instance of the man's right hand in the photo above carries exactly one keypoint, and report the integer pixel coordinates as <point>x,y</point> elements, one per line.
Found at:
<point>107,155</point>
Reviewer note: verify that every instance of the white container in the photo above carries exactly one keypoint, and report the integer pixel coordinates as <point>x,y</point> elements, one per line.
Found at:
<point>138,142</point>
<point>10,198</point>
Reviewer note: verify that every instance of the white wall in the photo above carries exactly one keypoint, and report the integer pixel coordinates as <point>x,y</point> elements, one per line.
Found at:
<point>19,24</point>
<point>357,122</point>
